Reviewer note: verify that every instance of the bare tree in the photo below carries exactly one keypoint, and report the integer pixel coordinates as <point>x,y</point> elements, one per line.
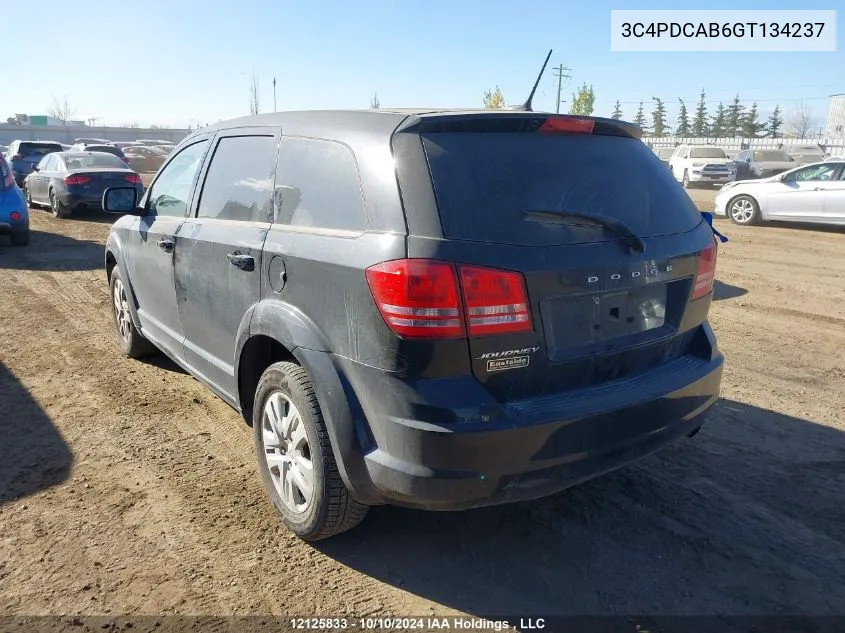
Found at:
<point>375,103</point>
<point>62,110</point>
<point>254,105</point>
<point>800,121</point>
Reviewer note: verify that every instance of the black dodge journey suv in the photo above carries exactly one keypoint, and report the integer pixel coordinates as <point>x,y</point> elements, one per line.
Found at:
<point>434,309</point>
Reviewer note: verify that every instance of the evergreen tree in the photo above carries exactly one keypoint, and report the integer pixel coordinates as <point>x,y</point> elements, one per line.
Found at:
<point>751,126</point>
<point>640,118</point>
<point>699,122</point>
<point>774,123</point>
<point>734,118</point>
<point>717,128</point>
<point>658,117</point>
<point>683,128</point>
<point>617,111</point>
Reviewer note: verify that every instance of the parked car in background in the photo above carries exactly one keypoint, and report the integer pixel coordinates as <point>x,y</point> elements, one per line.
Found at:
<point>91,141</point>
<point>14,214</point>
<point>145,159</point>
<point>152,141</point>
<point>108,149</point>
<point>762,163</point>
<point>664,154</point>
<point>68,181</point>
<point>732,153</point>
<point>520,324</point>
<point>65,147</point>
<point>4,149</point>
<point>167,149</point>
<point>24,155</point>
<point>125,144</point>
<point>804,154</point>
<point>810,193</point>
<point>701,164</point>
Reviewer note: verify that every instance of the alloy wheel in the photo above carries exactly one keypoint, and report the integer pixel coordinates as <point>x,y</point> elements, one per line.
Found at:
<point>287,452</point>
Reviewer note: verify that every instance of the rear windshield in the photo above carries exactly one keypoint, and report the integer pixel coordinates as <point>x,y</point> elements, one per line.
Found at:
<point>38,149</point>
<point>87,161</point>
<point>707,152</point>
<point>484,181</point>
<point>772,156</point>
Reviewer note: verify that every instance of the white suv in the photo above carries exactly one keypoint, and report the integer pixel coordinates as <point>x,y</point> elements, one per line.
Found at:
<point>702,164</point>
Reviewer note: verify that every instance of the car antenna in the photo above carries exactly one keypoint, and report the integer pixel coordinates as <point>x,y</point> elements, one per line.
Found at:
<point>526,107</point>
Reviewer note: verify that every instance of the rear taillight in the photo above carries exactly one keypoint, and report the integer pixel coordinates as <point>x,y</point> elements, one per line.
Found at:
<point>17,157</point>
<point>124,159</point>
<point>135,179</point>
<point>496,301</point>
<point>77,180</point>
<point>567,124</point>
<point>420,298</point>
<point>705,274</point>
<point>417,298</point>
<point>15,216</point>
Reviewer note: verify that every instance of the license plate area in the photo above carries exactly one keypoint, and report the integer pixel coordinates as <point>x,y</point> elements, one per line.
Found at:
<point>596,323</point>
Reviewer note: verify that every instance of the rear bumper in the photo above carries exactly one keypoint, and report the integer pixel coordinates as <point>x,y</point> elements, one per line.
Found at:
<point>526,449</point>
<point>9,228</point>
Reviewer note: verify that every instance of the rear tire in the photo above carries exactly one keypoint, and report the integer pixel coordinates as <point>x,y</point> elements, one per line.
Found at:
<point>131,342</point>
<point>56,206</point>
<point>295,457</point>
<point>20,239</point>
<point>744,210</point>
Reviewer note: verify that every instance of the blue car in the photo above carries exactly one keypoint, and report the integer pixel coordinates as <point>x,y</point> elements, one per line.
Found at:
<point>14,215</point>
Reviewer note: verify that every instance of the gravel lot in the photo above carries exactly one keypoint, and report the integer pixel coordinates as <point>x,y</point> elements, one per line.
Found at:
<point>126,487</point>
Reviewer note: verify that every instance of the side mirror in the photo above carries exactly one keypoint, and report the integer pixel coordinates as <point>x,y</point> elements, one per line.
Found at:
<point>121,200</point>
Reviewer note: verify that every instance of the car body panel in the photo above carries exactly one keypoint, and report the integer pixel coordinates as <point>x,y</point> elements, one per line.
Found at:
<point>11,201</point>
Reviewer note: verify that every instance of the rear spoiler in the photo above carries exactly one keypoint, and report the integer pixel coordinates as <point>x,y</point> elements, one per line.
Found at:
<point>522,122</point>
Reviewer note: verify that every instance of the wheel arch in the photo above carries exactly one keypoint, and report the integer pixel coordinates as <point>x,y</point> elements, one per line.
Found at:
<point>276,331</point>
<point>746,194</point>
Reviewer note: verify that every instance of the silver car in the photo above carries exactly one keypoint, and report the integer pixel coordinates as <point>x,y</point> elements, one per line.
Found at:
<point>810,193</point>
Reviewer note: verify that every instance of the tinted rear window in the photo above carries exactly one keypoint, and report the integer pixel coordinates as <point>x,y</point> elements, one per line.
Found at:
<point>87,161</point>
<point>483,182</point>
<point>772,156</point>
<point>38,149</point>
<point>108,149</point>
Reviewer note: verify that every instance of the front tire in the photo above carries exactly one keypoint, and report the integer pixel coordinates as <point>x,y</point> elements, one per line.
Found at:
<point>28,196</point>
<point>744,210</point>
<point>56,206</point>
<point>686,181</point>
<point>131,342</point>
<point>295,457</point>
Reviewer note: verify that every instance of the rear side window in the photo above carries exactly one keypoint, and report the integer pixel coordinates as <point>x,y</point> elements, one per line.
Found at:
<point>239,182</point>
<point>483,182</point>
<point>318,186</point>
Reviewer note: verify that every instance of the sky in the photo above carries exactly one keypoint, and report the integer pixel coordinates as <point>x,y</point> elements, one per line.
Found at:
<point>179,63</point>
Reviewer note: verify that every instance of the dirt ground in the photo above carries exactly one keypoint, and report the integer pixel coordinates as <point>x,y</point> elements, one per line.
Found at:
<point>128,488</point>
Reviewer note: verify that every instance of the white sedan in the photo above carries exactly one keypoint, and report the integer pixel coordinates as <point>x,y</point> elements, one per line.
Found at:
<point>810,193</point>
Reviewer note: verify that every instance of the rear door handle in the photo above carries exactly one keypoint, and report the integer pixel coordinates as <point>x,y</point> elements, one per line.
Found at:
<point>166,245</point>
<point>820,189</point>
<point>239,260</point>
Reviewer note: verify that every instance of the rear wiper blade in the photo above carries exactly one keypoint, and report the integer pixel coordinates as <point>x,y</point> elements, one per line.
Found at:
<point>634,241</point>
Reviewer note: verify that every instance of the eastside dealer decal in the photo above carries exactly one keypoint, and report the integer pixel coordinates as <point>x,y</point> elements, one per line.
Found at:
<point>508,359</point>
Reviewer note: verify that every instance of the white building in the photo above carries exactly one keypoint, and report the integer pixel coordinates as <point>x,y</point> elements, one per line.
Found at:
<point>835,122</point>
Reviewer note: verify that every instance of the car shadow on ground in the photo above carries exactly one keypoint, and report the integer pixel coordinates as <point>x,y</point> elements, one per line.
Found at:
<point>33,456</point>
<point>706,526</point>
<point>162,361</point>
<point>97,216</point>
<point>52,252</point>
<point>722,291</point>
<point>804,226</point>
